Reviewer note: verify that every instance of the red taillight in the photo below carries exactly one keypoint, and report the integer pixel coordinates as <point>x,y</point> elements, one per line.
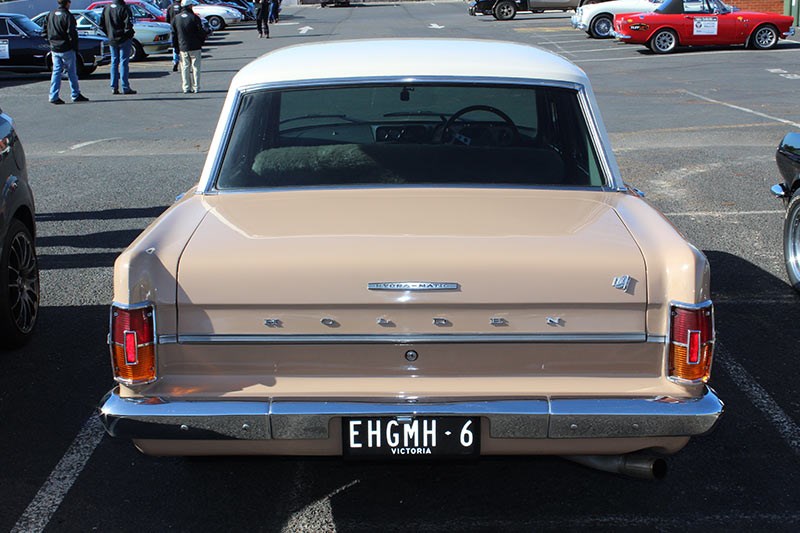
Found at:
<point>131,348</point>
<point>691,342</point>
<point>132,342</point>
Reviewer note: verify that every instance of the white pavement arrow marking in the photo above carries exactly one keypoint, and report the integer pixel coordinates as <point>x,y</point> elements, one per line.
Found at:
<point>435,27</point>
<point>305,29</point>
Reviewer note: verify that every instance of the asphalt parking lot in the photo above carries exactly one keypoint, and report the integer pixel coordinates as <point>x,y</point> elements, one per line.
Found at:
<point>696,130</point>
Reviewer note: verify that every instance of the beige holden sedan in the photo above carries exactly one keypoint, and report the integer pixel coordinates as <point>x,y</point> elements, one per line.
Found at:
<point>424,253</point>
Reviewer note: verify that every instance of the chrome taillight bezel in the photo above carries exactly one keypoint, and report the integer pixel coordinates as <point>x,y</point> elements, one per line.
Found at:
<point>673,304</point>
<point>154,343</point>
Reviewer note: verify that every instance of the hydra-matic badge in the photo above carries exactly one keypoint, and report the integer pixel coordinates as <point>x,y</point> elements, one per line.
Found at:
<point>413,286</point>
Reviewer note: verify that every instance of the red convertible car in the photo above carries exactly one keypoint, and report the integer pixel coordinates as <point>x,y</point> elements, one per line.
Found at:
<point>701,22</point>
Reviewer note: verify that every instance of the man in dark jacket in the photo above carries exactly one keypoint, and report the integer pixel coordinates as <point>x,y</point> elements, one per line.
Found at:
<point>262,10</point>
<point>173,11</point>
<point>117,22</point>
<point>191,37</point>
<point>62,33</point>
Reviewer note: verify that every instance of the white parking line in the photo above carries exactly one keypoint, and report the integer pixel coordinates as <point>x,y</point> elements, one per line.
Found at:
<point>724,213</point>
<point>787,428</point>
<point>89,143</point>
<point>316,516</point>
<point>51,494</point>
<point>738,300</point>
<point>665,57</point>
<point>562,42</point>
<point>746,110</point>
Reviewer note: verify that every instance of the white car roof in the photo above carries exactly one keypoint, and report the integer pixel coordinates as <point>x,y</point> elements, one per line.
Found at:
<point>379,58</point>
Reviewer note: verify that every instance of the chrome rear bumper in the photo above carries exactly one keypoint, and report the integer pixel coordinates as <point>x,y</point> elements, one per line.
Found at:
<point>536,418</point>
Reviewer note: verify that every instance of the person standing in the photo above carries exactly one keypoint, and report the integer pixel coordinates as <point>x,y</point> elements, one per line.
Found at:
<point>117,23</point>
<point>62,34</point>
<point>262,9</point>
<point>274,10</point>
<point>191,37</point>
<point>172,11</point>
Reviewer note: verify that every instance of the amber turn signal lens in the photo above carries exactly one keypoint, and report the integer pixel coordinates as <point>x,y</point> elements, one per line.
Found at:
<point>144,371</point>
<point>132,340</point>
<point>691,342</point>
<point>682,368</point>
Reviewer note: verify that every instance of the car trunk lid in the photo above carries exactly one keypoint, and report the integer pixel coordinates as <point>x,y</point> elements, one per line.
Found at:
<point>518,261</point>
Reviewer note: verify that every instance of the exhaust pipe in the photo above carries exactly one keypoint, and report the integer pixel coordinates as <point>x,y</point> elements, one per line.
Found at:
<point>638,466</point>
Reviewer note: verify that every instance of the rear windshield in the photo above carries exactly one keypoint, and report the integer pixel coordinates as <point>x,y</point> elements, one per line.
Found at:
<point>413,134</point>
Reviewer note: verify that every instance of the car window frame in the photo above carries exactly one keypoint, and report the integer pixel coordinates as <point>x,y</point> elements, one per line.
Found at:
<point>14,27</point>
<point>600,143</point>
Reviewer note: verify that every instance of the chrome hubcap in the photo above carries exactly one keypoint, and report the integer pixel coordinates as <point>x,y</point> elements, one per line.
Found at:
<point>23,283</point>
<point>665,41</point>
<point>765,38</point>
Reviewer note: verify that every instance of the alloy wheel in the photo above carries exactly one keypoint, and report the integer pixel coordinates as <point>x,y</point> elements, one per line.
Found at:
<point>23,283</point>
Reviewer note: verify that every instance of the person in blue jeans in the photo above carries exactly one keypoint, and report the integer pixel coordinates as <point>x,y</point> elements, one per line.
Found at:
<point>62,34</point>
<point>173,11</point>
<point>117,23</point>
<point>274,10</point>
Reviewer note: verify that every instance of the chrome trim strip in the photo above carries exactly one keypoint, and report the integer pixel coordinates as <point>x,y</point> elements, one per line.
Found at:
<point>535,418</point>
<point>657,339</point>
<point>611,180</point>
<point>411,339</point>
<point>216,165</point>
<point>167,339</point>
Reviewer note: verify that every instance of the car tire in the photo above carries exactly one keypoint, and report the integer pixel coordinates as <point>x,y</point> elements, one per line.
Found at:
<point>765,37</point>
<point>216,23</point>
<point>663,41</point>
<point>137,51</point>
<point>791,241</point>
<point>19,287</point>
<point>505,10</point>
<point>601,26</point>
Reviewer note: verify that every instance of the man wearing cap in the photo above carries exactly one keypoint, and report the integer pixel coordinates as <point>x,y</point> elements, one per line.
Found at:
<point>62,33</point>
<point>189,29</point>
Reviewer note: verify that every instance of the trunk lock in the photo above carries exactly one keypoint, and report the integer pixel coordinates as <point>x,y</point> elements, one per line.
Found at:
<point>412,355</point>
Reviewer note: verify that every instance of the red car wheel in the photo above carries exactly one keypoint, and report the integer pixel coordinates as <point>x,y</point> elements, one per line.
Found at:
<point>663,41</point>
<point>764,38</point>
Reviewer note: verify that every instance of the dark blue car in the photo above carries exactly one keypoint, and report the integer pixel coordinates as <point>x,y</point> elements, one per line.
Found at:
<point>23,48</point>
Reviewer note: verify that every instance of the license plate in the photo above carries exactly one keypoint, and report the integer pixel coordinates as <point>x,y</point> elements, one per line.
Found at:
<point>407,437</point>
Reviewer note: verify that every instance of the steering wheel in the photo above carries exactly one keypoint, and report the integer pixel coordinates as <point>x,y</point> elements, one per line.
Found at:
<point>469,109</point>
